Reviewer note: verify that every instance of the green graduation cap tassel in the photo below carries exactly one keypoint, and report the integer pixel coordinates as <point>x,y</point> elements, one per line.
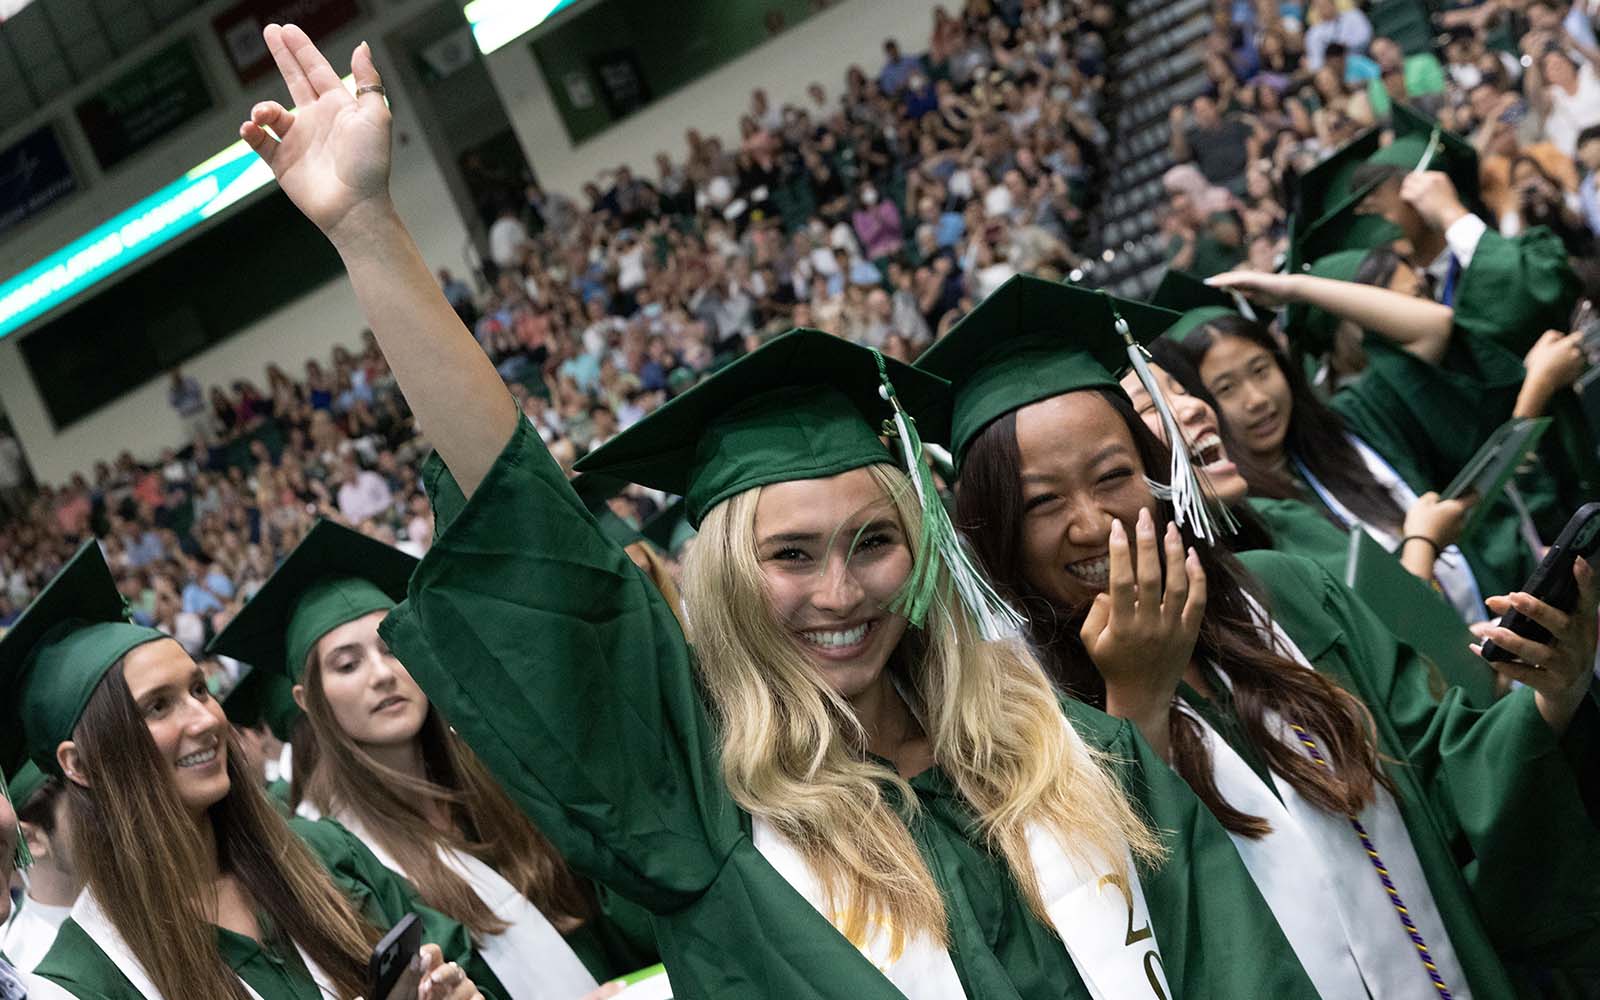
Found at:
<point>941,546</point>
<point>22,857</point>
<point>1183,488</point>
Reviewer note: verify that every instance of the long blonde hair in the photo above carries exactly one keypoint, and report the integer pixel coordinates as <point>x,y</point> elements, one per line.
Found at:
<point>792,748</point>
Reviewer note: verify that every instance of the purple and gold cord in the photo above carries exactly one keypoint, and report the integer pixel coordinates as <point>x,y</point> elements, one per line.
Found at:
<point>1383,876</point>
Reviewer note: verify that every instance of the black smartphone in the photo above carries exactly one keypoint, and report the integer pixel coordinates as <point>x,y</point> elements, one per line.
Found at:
<point>1552,582</point>
<point>392,955</point>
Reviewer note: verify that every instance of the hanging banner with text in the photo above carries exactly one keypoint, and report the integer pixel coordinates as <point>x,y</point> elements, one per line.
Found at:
<point>144,104</point>
<point>239,27</point>
<point>34,174</point>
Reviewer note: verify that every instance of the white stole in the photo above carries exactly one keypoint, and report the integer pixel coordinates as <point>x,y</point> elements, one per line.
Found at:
<point>1104,925</point>
<point>89,915</point>
<point>30,933</point>
<point>530,957</point>
<point>42,989</point>
<point>1321,885</point>
<point>1450,569</point>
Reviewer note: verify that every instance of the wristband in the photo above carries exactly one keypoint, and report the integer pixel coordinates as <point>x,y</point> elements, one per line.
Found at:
<point>1437,550</point>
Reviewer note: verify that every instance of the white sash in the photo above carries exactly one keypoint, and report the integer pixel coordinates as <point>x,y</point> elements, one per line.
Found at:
<point>1106,929</point>
<point>87,913</point>
<point>1450,569</point>
<point>530,957</point>
<point>31,932</point>
<point>42,989</point>
<point>1315,872</point>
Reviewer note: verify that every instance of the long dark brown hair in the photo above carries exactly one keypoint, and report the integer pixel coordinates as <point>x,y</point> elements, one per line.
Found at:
<point>137,849</point>
<point>1317,436</point>
<point>990,512</point>
<point>484,822</point>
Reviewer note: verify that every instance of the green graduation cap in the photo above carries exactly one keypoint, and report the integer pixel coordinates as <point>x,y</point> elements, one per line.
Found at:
<point>1197,302</point>
<point>1032,339</point>
<point>596,491</point>
<point>669,530</point>
<point>56,654</point>
<point>25,784</point>
<point>1420,142</point>
<point>264,694</point>
<point>806,405</point>
<point>1329,184</point>
<point>1347,234</point>
<point>335,575</point>
<point>809,405</point>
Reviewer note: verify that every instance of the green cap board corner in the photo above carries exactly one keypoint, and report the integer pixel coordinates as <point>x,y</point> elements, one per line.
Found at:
<point>809,405</point>
<point>55,655</point>
<point>1029,340</point>
<point>805,405</point>
<point>1196,302</point>
<point>669,529</point>
<point>335,575</point>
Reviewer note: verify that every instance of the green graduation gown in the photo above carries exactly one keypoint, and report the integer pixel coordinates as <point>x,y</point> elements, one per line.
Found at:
<point>1496,805</point>
<point>274,970</point>
<point>1427,421</point>
<point>563,668</point>
<point>1300,529</point>
<point>1516,288</point>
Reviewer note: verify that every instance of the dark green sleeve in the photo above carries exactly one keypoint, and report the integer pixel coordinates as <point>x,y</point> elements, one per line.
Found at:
<point>1218,938</point>
<point>383,896</point>
<point>1498,782</point>
<point>561,666</point>
<point>1516,289</point>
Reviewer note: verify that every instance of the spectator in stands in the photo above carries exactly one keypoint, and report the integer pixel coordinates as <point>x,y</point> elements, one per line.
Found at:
<point>1216,143</point>
<point>362,493</point>
<point>1564,88</point>
<point>1417,79</point>
<point>186,399</point>
<point>1329,24</point>
<point>897,68</point>
<point>1589,186</point>
<point>507,236</point>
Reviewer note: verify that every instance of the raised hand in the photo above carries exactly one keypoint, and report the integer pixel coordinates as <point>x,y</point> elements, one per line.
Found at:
<point>331,153</point>
<point>1141,632</point>
<point>1559,671</point>
<point>1262,287</point>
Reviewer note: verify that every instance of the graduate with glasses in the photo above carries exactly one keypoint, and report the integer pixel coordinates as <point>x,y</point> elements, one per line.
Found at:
<point>848,780</point>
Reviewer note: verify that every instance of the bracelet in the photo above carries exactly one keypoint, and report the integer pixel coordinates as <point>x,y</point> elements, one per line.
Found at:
<point>1437,551</point>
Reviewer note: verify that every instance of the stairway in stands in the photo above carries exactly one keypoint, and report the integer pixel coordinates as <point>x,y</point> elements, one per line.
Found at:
<point>1157,60</point>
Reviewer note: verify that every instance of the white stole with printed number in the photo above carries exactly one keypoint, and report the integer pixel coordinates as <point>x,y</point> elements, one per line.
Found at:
<point>1104,925</point>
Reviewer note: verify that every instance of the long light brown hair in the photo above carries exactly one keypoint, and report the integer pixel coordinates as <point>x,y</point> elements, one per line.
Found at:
<point>793,750</point>
<point>138,849</point>
<point>394,808</point>
<point>989,508</point>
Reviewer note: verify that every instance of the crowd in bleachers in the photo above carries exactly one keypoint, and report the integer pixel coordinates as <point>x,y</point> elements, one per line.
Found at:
<point>880,210</point>
<point>1286,85</point>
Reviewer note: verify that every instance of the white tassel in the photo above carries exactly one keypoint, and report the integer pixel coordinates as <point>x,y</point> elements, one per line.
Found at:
<point>1191,503</point>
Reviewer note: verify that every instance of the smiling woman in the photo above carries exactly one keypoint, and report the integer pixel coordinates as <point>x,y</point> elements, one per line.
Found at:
<point>389,769</point>
<point>195,887</point>
<point>858,818</point>
<point>1320,742</point>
